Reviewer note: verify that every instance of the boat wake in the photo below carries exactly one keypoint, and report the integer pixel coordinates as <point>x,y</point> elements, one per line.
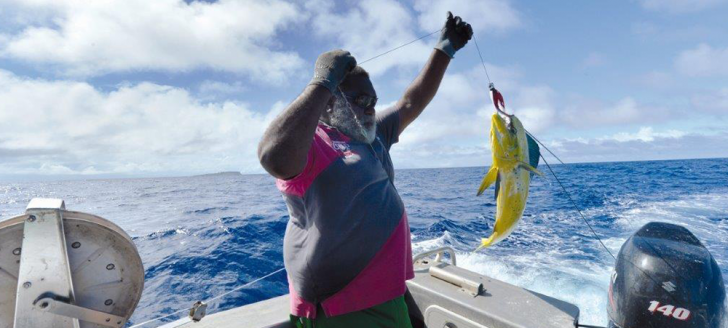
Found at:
<point>574,267</point>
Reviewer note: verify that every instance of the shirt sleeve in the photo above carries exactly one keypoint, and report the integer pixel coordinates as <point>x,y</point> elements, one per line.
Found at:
<point>388,127</point>
<point>319,156</point>
<point>298,184</point>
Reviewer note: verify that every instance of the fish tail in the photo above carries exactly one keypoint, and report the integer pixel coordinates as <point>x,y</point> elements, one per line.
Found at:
<point>488,180</point>
<point>487,242</point>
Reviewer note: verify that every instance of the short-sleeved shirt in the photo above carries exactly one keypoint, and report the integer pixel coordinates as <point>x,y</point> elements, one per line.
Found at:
<point>347,243</point>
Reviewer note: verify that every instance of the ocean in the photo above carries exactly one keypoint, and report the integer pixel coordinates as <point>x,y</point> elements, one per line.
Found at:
<point>202,236</point>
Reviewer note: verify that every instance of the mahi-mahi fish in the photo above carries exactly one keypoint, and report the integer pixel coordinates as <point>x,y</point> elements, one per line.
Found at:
<point>515,156</point>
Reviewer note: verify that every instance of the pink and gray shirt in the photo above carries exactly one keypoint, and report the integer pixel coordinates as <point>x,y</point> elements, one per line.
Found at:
<point>347,243</point>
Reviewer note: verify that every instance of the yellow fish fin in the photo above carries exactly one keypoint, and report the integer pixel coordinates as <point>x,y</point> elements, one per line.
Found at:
<point>486,242</point>
<point>530,168</point>
<point>488,180</point>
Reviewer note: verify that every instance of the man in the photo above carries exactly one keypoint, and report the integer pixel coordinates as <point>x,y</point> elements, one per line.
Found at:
<point>347,246</point>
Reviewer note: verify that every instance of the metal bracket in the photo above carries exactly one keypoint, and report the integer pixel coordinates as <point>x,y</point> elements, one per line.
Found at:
<point>474,288</point>
<point>48,304</point>
<point>44,266</point>
<point>441,270</point>
<point>66,269</point>
<point>438,258</point>
<point>198,311</point>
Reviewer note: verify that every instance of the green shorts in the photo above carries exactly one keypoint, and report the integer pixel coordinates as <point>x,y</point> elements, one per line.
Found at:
<point>391,314</point>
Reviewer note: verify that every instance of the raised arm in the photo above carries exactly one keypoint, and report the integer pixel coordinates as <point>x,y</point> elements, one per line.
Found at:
<point>418,95</point>
<point>421,91</point>
<point>282,150</point>
<point>285,144</point>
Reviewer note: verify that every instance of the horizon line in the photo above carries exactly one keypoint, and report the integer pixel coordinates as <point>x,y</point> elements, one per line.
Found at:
<point>81,177</point>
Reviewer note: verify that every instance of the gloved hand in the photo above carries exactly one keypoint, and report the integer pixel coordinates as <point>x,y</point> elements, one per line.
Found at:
<point>332,67</point>
<point>455,35</point>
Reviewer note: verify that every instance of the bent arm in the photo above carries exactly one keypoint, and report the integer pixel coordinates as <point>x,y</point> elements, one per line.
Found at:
<point>284,147</point>
<point>419,94</point>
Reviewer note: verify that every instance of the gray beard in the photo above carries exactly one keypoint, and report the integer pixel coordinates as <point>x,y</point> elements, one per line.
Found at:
<point>342,118</point>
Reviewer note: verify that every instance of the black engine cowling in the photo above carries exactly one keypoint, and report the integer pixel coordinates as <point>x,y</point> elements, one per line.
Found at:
<point>664,277</point>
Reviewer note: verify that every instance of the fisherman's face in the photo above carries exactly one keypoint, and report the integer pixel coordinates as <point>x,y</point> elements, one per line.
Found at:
<point>349,115</point>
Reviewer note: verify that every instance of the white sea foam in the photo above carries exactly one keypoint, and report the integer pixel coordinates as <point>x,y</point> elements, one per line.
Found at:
<point>583,284</point>
<point>704,215</point>
<point>574,278</point>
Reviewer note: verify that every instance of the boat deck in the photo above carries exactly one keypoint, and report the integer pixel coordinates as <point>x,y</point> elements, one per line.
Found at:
<point>442,295</point>
<point>269,313</point>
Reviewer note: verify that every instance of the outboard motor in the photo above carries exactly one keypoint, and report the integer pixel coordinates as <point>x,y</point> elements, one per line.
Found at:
<point>664,277</point>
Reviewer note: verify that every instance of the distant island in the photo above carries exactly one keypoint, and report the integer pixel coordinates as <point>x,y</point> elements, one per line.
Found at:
<point>219,174</point>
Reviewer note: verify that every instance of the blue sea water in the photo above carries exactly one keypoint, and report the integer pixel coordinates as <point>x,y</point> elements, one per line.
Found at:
<point>202,236</point>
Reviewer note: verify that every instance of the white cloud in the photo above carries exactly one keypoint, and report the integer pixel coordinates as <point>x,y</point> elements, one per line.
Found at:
<point>541,109</point>
<point>441,155</point>
<point>87,38</point>
<point>485,16</point>
<point>76,128</point>
<point>459,115</point>
<point>713,102</point>
<point>212,90</point>
<point>585,113</point>
<point>376,26</point>
<point>645,134</point>
<point>703,61</point>
<point>460,112</point>
<point>373,27</point>
<point>645,144</point>
<point>534,105</point>
<point>680,6</point>
<point>454,130</point>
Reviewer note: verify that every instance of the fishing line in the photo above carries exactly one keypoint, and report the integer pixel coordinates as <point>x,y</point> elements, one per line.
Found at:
<point>568,195</point>
<point>281,269</point>
<point>544,146</point>
<point>404,45</point>
<point>210,299</point>
<point>649,276</point>
<point>531,135</point>
<point>573,203</point>
<point>491,83</point>
<point>481,60</point>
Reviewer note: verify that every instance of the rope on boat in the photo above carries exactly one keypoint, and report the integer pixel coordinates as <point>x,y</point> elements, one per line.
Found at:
<point>210,299</point>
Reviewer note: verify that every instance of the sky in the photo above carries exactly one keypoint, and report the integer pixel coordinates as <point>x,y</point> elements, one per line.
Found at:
<point>138,88</point>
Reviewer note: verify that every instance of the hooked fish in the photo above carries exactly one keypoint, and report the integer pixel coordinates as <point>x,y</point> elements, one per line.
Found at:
<point>515,156</point>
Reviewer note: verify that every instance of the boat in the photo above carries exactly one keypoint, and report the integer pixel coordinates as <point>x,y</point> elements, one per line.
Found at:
<point>64,269</point>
